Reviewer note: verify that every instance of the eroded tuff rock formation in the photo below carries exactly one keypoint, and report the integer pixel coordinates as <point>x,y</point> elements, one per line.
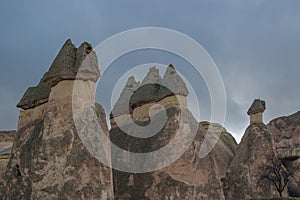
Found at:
<point>48,159</point>
<point>286,134</point>
<point>242,180</point>
<point>256,110</point>
<point>6,142</point>
<point>189,177</point>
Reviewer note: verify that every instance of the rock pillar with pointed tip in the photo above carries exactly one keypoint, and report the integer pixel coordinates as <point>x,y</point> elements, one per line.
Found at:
<point>256,110</point>
<point>49,159</point>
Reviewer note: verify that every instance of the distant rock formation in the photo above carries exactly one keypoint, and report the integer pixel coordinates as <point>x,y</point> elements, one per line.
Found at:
<point>189,177</point>
<point>48,159</point>
<point>242,178</point>
<point>286,134</point>
<point>6,142</point>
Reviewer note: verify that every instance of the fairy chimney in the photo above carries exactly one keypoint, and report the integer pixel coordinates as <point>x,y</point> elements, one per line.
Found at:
<point>256,110</point>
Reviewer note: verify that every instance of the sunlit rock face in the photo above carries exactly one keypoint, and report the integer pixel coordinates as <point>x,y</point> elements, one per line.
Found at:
<point>48,159</point>
<point>286,134</point>
<point>189,176</point>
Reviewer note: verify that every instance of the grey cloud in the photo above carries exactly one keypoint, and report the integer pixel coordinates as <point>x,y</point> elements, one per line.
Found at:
<point>255,44</point>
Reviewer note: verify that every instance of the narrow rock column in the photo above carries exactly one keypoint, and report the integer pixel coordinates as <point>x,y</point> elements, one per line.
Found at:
<point>256,110</point>
<point>256,147</point>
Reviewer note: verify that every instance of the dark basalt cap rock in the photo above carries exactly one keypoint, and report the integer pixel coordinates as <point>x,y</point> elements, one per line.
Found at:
<point>171,84</point>
<point>35,96</point>
<point>153,88</point>
<point>257,107</point>
<point>174,82</point>
<point>71,60</point>
<point>152,76</point>
<point>131,83</point>
<point>122,106</point>
<point>62,66</point>
<point>86,63</point>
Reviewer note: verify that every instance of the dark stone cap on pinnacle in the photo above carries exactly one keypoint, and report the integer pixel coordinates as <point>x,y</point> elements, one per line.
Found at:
<point>121,106</point>
<point>71,63</point>
<point>153,88</point>
<point>35,96</point>
<point>152,77</point>
<point>71,60</point>
<point>257,107</point>
<point>173,81</point>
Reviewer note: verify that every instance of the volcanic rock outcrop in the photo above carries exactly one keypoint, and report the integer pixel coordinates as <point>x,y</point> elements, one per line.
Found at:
<point>62,146</point>
<point>286,134</point>
<point>257,145</point>
<point>6,142</point>
<point>136,98</point>
<point>256,110</point>
<point>188,177</point>
<point>48,159</point>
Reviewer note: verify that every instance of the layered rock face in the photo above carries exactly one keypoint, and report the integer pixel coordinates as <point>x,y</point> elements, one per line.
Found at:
<point>6,143</point>
<point>48,159</point>
<point>242,179</point>
<point>188,177</point>
<point>286,134</point>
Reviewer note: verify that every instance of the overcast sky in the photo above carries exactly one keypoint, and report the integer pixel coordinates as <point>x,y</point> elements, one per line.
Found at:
<point>255,44</point>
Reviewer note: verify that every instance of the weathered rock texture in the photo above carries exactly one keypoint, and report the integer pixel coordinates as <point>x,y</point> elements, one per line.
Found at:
<point>256,110</point>
<point>286,134</point>
<point>73,63</point>
<point>35,96</point>
<point>153,88</point>
<point>48,159</point>
<point>6,143</point>
<point>58,140</point>
<point>189,177</point>
<point>242,179</point>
